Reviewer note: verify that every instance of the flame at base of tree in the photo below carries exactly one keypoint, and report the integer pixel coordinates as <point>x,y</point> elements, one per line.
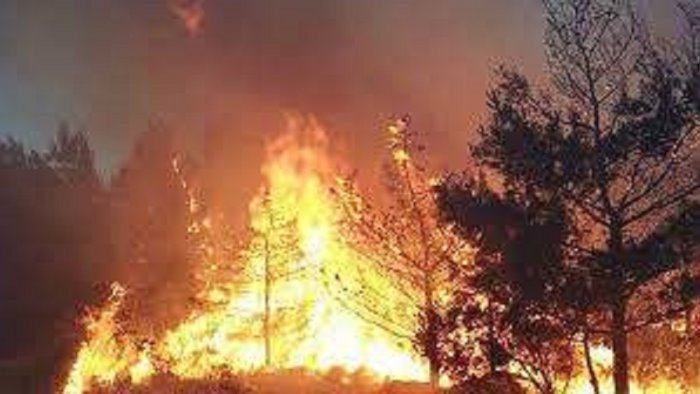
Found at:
<point>288,306</point>
<point>298,301</point>
<point>107,354</point>
<point>602,358</point>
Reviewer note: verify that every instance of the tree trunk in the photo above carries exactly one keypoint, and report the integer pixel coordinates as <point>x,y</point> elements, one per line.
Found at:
<point>493,364</point>
<point>619,301</point>
<point>434,374</point>
<point>619,342</point>
<point>592,378</point>
<point>432,348</point>
<point>431,331</point>
<point>266,317</point>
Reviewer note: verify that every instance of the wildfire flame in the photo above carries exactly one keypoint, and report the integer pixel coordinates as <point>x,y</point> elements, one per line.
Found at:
<point>107,353</point>
<point>284,310</point>
<point>310,327</point>
<point>602,357</point>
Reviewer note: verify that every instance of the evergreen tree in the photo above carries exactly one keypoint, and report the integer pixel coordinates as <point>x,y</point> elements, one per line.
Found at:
<point>55,248</point>
<point>613,142</point>
<point>149,215</point>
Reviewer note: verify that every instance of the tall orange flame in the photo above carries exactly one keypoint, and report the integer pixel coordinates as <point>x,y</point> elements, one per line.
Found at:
<point>284,310</point>
<point>310,327</point>
<point>107,354</point>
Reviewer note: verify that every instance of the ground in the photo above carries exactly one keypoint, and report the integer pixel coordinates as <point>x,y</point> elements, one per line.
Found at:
<point>277,383</point>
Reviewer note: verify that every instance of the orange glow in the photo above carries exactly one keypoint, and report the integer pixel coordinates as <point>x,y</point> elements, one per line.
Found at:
<point>308,327</point>
<point>107,354</point>
<point>602,358</point>
<point>312,330</point>
<point>286,307</point>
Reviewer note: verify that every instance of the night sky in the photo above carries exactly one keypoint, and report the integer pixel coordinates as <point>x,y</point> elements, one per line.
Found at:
<point>111,66</point>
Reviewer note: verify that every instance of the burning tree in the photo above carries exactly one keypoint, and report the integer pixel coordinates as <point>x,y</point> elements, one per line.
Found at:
<point>300,262</point>
<point>150,219</point>
<point>407,241</point>
<point>283,286</point>
<point>274,242</point>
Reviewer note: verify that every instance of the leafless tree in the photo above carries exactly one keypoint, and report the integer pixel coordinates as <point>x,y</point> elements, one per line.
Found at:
<point>405,240</point>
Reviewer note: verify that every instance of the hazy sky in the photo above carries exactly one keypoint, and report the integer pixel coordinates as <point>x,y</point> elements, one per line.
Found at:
<point>109,66</point>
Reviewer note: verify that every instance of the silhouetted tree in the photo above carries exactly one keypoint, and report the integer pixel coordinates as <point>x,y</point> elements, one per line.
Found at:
<point>614,142</point>
<point>72,158</point>
<point>54,248</point>
<point>500,318</point>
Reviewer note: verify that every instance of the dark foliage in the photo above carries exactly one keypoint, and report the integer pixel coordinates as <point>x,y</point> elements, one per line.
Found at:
<point>65,237</point>
<point>52,227</point>
<point>501,383</point>
<point>595,224</point>
<point>506,302</point>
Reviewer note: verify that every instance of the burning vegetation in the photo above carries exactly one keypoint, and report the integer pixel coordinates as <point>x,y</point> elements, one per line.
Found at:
<point>565,262</point>
<point>330,291</point>
<point>293,301</point>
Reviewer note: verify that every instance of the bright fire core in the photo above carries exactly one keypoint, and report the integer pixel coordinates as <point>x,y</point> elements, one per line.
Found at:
<point>285,309</point>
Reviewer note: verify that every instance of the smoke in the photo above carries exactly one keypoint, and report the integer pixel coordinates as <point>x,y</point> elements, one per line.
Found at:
<point>191,13</point>
<point>111,67</point>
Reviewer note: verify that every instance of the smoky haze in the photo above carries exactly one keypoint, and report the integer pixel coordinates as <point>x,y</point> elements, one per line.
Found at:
<point>111,67</point>
<point>220,74</point>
